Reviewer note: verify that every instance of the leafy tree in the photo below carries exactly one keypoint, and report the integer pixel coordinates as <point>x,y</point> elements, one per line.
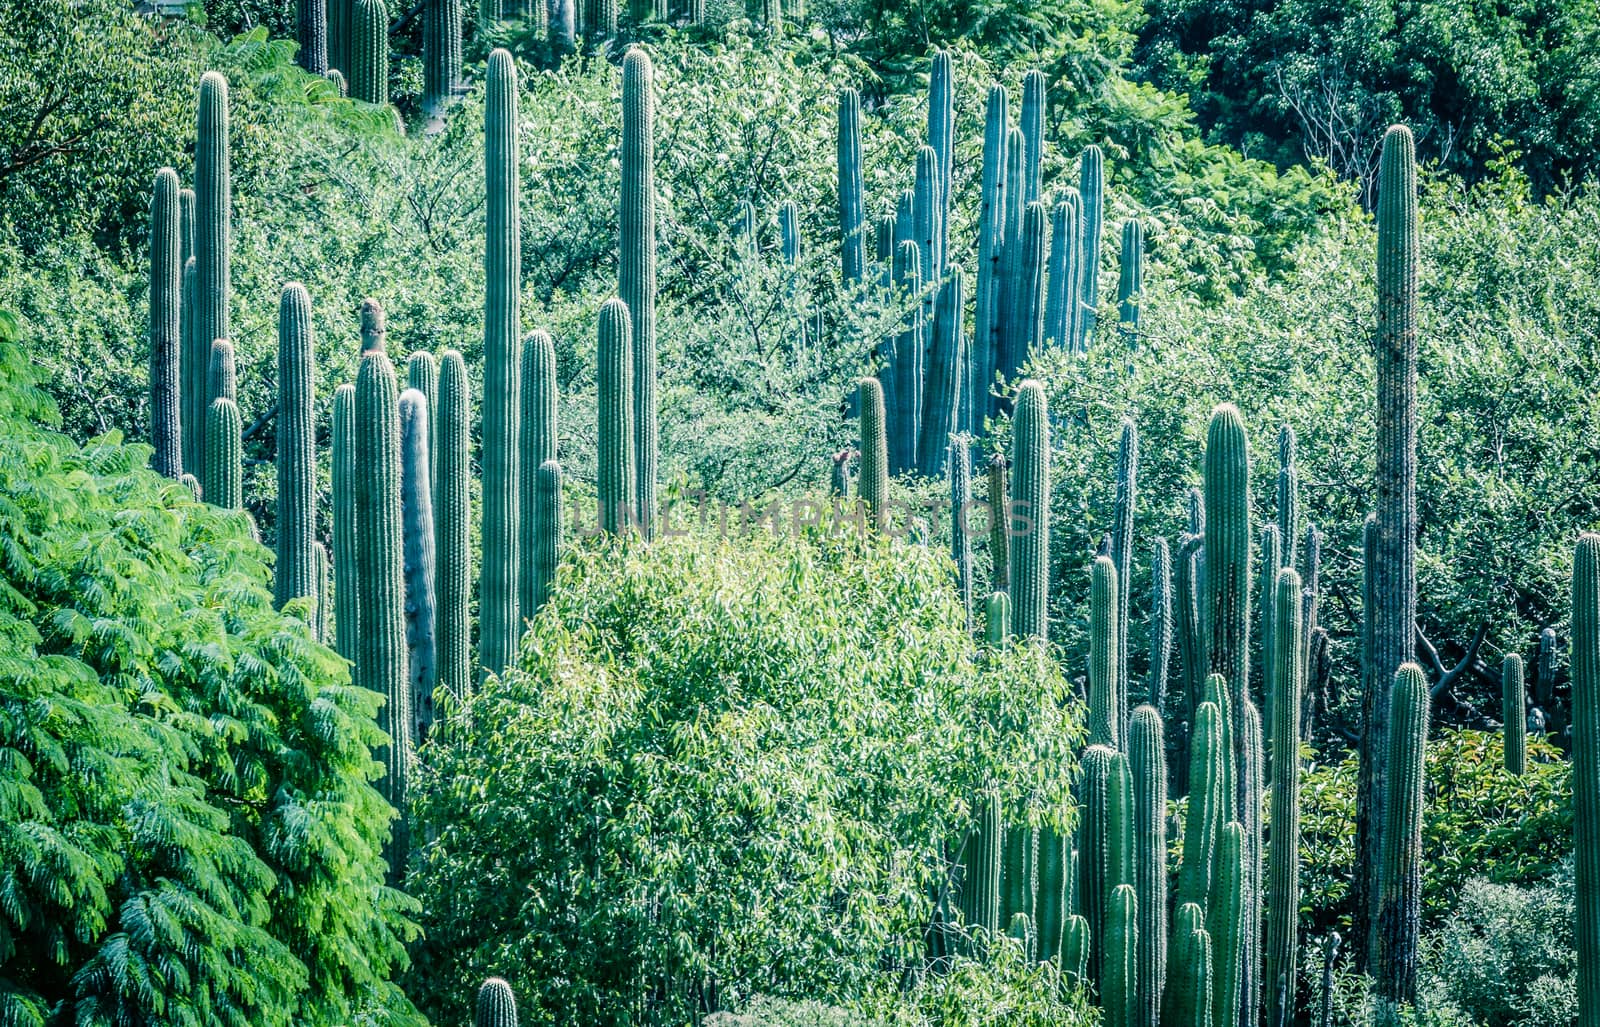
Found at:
<point>722,768</point>
<point>188,829</point>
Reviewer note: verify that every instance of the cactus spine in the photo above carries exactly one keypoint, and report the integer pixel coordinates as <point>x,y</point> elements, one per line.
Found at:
<point>1091,189</point>
<point>873,488</point>
<point>1586,769</point>
<point>499,627</point>
<point>496,1006</point>
<point>537,444</point>
<point>452,522</point>
<point>1395,557</point>
<point>369,51</point>
<point>637,278</point>
<point>346,576</point>
<point>1122,554</point>
<point>1511,711</point>
<point>619,502</point>
<point>1400,891</point>
<point>1030,558</point>
<point>852,190</point>
<point>1033,111</point>
<point>946,354</point>
<point>1130,281</point>
<point>213,199</point>
<point>1190,983</point>
<point>991,248</point>
<point>296,573</point>
<point>1147,762</point>
<point>960,534</point>
<point>166,298</point>
<point>381,656</point>
<point>1120,970</point>
<point>224,484</point>
<point>311,29</point>
<point>1206,805</point>
<point>1105,841</point>
<point>1105,719</point>
<point>1283,856</point>
<point>417,531</point>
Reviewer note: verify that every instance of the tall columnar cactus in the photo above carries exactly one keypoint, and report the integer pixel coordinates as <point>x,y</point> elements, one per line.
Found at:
<point>960,526</point>
<point>374,327</point>
<point>999,483</point>
<point>338,34</point>
<point>981,883</point>
<point>381,655</point>
<point>1130,281</point>
<point>1024,333</point>
<point>296,573</point>
<point>452,522</point>
<point>311,30</point>
<point>1105,840</point>
<point>222,377</point>
<point>320,622</point>
<point>1160,623</point>
<point>1205,805</point>
<point>637,275</point>
<point>166,298</point>
<point>1091,188</point>
<point>789,232</point>
<point>997,619</point>
<point>490,11</point>
<point>1267,564</point>
<point>417,531</point>
<point>1019,879</point>
<point>1190,983</point>
<point>1065,279</point>
<point>1288,499</point>
<point>874,485</point>
<point>1514,715</point>
<point>941,136</point>
<point>1120,971</point>
<point>441,51</point>
<point>1034,102</point>
<point>496,1006</point>
<point>1400,893</point>
<point>369,51</point>
<point>1075,949</point>
<point>191,370</point>
<point>1395,567</point>
<point>1227,574</point>
<point>537,444</point>
<point>906,369</point>
<point>852,190</point>
<point>422,374</point>
<point>942,397</point>
<point>1544,681</point>
<point>1192,662</point>
<point>547,540</point>
<point>224,460</point>
<point>1248,814</point>
<point>499,626</point>
<point>559,22</point>
<point>1147,762</point>
<point>1011,259</point>
<point>1226,911</point>
<point>1586,769</point>
<point>1283,855</point>
<point>213,199</point>
<point>927,207</point>
<point>618,484</point>
<point>346,576</point>
<point>1127,496</point>
<point>1216,692</point>
<point>991,249</point>
<point>1030,542</point>
<point>1105,718</point>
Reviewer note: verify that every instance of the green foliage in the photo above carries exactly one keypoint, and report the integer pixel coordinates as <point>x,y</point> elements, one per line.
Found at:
<point>187,823</point>
<point>698,704</point>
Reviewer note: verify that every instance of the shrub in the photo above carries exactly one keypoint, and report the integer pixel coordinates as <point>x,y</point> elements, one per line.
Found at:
<point>721,768</point>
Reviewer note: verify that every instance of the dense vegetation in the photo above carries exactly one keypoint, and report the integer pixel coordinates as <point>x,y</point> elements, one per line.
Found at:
<point>804,745</point>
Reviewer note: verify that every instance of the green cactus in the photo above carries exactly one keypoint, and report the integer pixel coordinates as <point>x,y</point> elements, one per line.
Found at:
<point>942,397</point>
<point>224,484</point>
<point>441,51</point>
<point>1189,622</point>
<point>1514,715</point>
<point>499,626</point>
<point>1160,623</point>
<point>1226,918</point>
<point>789,232</point>
<point>1147,763</point>
<point>381,654</point>
<point>374,327</point>
<point>496,1006</point>
<point>346,579</point>
<point>619,502</point>
<point>1122,555</point>
<point>1586,769</point>
<point>336,77</point>
<point>905,369</point>
<point>981,885</point>
<point>311,31</point>
<point>1120,971</point>
<point>1544,681</point>
<point>1063,281</point>
<point>213,200</point>
<point>559,23</point>
<point>547,540</point>
<point>1283,855</point>
<point>637,276</point>
<point>369,51</point>
<point>417,532</point>
<point>166,298</point>
<point>320,623</point>
<point>1191,982</point>
<point>222,378</point>
<point>452,520</point>
<point>1130,281</point>
<point>1011,259</point>
<point>1075,949</point>
<point>1227,574</point>
<point>991,249</point>
<point>185,227</point>
<point>296,573</point>
<point>1105,718</point>
<point>1030,560</point>
<point>1034,102</point>
<point>1248,813</point>
<point>873,487</point>
<point>1054,892</point>
<point>422,374</point>
<point>489,11</point>
<point>1206,806</point>
<point>960,535</point>
<point>839,477</point>
<point>999,519</point>
<point>537,444</point>
<point>1400,891</point>
<point>1288,498</point>
<point>941,136</point>
<point>1024,334</point>
<point>997,620</point>
<point>1394,589</point>
<point>338,35</point>
<point>1105,840</point>
<point>1091,189</point>
<point>926,207</point>
<point>1216,692</point>
<point>852,190</point>
<point>1019,879</point>
<point>1267,564</point>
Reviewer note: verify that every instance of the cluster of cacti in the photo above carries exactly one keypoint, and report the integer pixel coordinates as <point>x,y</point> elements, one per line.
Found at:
<point>205,285</point>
